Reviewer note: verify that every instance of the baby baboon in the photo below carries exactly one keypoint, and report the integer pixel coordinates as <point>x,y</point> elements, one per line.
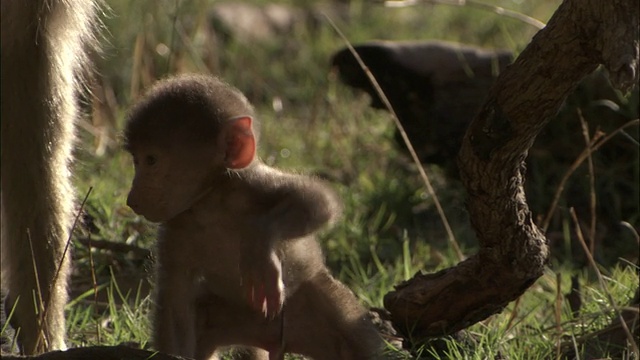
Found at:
<point>42,52</point>
<point>238,263</point>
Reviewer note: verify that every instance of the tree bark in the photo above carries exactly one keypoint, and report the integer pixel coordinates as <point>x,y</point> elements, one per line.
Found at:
<point>513,252</point>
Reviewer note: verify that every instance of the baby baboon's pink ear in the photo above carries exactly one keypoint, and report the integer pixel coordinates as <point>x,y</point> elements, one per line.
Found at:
<point>240,143</point>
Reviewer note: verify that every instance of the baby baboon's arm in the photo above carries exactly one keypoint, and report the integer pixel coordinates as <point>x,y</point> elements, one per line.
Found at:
<point>299,207</point>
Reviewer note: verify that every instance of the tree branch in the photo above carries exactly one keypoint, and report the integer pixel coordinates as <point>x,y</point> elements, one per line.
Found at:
<point>513,252</point>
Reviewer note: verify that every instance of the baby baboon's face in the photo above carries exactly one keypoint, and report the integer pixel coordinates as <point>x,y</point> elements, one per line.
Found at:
<point>168,180</point>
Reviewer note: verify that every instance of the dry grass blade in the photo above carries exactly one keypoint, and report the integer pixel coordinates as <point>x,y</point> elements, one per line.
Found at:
<point>514,314</point>
<point>64,255</point>
<point>414,156</point>
<point>476,4</point>
<point>558,315</point>
<point>94,285</point>
<point>136,76</point>
<point>592,183</point>
<point>66,247</point>
<point>632,230</point>
<point>114,247</point>
<point>595,144</point>
<point>40,308</point>
<point>602,284</point>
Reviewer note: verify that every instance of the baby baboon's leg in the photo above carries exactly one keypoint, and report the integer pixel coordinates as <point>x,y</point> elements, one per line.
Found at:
<point>324,320</point>
<point>221,323</point>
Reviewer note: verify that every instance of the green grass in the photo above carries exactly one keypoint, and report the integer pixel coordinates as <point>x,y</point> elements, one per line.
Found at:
<point>390,229</point>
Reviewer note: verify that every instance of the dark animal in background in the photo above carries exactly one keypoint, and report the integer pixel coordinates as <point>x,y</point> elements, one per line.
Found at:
<point>42,55</point>
<point>238,262</point>
<point>435,88</point>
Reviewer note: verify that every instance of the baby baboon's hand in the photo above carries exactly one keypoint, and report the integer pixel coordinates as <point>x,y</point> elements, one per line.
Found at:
<point>261,273</point>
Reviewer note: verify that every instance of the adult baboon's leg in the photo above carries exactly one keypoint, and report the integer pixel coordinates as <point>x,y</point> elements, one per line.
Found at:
<point>42,52</point>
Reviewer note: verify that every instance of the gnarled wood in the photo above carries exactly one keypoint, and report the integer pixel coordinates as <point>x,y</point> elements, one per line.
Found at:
<point>581,35</point>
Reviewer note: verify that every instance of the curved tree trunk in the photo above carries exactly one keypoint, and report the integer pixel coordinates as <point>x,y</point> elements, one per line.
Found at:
<point>513,252</point>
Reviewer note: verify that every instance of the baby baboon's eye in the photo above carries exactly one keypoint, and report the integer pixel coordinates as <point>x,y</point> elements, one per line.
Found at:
<point>150,160</point>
